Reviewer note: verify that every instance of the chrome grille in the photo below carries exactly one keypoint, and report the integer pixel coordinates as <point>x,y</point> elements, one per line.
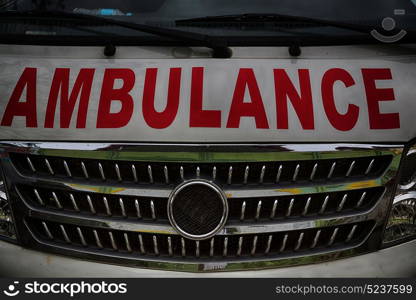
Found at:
<point>109,202</point>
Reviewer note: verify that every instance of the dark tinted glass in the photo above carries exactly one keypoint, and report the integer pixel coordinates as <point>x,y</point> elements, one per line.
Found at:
<point>165,12</point>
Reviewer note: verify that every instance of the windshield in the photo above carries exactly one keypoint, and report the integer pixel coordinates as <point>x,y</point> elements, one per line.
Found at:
<point>401,15</point>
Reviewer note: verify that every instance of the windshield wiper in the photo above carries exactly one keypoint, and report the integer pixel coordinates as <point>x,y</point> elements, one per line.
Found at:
<point>217,44</point>
<point>271,17</point>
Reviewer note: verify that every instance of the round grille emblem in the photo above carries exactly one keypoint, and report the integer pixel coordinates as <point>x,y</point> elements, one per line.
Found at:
<point>197,209</point>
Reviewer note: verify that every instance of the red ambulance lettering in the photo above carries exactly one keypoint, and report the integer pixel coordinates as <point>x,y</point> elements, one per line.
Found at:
<point>198,116</point>
<point>239,108</point>
<point>116,104</point>
<point>81,90</point>
<point>153,118</point>
<point>106,118</point>
<point>285,90</point>
<point>342,122</point>
<point>23,109</point>
<point>375,95</point>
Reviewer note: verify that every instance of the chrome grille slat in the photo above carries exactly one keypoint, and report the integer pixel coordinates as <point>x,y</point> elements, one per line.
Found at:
<point>333,236</point>
<point>279,173</point>
<point>283,246</point>
<point>142,249</point>
<point>152,208</point>
<point>350,169</point>
<point>225,247</point>
<point>262,172</point>
<point>312,176</point>
<point>259,209</point>
<point>58,204</point>
<point>81,237</point>
<point>155,245</point>
<point>305,210</point>
<point>230,229</point>
<point>273,212</point>
<point>92,208</point>
<point>113,242</point>
<point>299,241</point>
<point>246,172</point>
<point>251,245</point>
<point>296,173</point>
<point>214,173</point>
<point>48,165</point>
<point>360,202</point>
<point>137,206</point>
<point>67,169</point>
<point>324,204</point>
<point>73,202</point>
<point>243,211</point>
<point>170,246</point>
<point>38,197</point>
<point>315,239</point>
<point>240,245</point>
<point>134,172</point>
<point>107,207</point>
<point>101,169</point>
<point>254,245</point>
<point>342,203</point>
<point>269,243</point>
<point>331,171</point>
<point>183,247</point>
<point>48,232</point>
<point>197,249</point>
<point>230,175</point>
<point>97,239</point>
<point>123,210</point>
<point>351,234</point>
<point>117,168</point>
<point>127,241</point>
<point>150,173</point>
<point>166,173</point>
<point>211,247</point>
<point>370,166</point>
<point>289,209</point>
<point>29,161</point>
<point>84,170</point>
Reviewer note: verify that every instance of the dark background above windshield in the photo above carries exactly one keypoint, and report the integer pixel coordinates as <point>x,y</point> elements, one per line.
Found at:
<point>173,9</point>
<point>164,13</point>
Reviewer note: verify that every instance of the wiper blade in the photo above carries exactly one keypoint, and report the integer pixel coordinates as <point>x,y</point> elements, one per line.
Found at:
<point>271,17</point>
<point>216,43</point>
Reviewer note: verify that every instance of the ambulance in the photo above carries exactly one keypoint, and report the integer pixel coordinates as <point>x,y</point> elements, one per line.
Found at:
<point>208,138</point>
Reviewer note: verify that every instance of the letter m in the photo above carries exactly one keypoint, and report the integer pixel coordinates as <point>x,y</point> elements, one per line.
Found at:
<point>60,88</point>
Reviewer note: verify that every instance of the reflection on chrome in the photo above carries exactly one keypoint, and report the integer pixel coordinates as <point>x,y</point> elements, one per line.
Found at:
<point>108,201</point>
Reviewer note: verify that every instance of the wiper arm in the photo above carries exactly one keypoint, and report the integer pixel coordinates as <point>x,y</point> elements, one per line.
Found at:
<point>271,17</point>
<point>218,44</point>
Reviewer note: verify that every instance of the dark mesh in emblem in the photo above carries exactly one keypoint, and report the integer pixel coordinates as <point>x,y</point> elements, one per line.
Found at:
<point>197,209</point>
